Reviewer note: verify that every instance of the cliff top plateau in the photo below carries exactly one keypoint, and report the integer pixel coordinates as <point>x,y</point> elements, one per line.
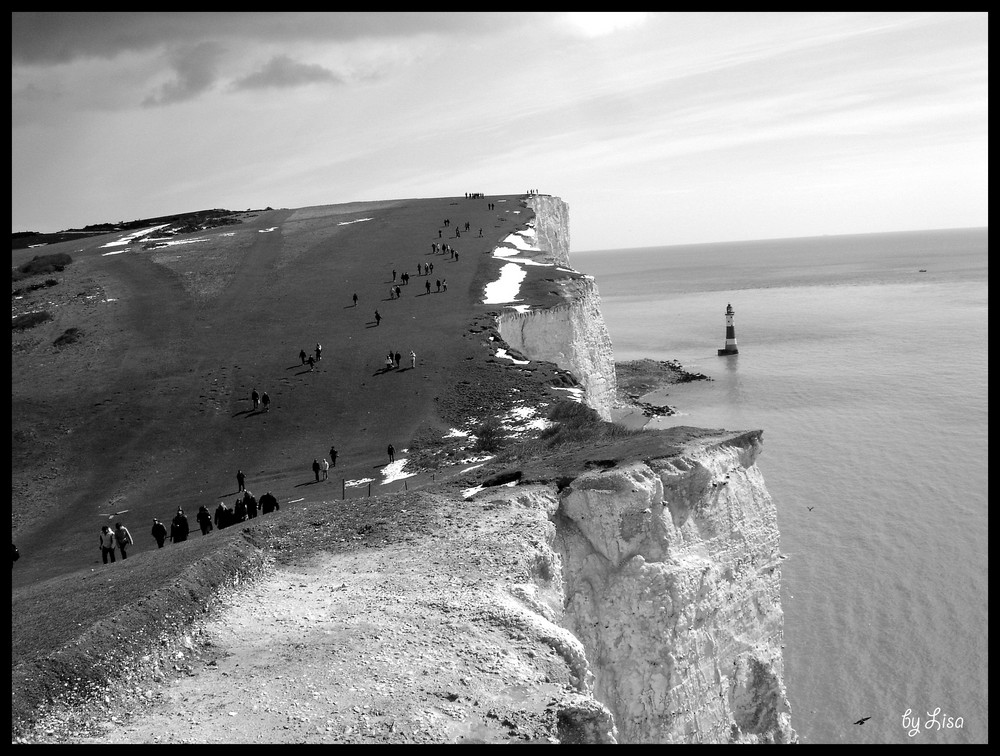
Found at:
<point>411,595</point>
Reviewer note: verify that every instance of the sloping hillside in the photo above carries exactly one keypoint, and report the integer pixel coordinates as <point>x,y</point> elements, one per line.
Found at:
<point>147,408</point>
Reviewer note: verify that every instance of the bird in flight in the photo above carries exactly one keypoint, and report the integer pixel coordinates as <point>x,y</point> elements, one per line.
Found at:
<point>862,720</point>
<point>810,508</point>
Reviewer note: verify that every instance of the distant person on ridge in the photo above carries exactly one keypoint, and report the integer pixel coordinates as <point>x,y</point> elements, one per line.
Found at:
<point>378,318</point>
<point>240,477</point>
<point>159,533</point>
<point>251,502</point>
<point>392,453</point>
<point>355,298</point>
<point>255,398</point>
<point>268,503</point>
<point>221,516</point>
<point>107,541</point>
<point>316,469</point>
<point>413,359</point>
<point>312,363</point>
<point>204,518</point>
<point>302,356</point>
<point>325,467</point>
<point>319,352</point>
<point>239,510</point>
<point>123,538</point>
<point>179,527</point>
<point>265,401</point>
<point>333,456</point>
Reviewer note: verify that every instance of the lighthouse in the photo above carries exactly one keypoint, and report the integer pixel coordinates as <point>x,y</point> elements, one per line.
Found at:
<point>730,334</point>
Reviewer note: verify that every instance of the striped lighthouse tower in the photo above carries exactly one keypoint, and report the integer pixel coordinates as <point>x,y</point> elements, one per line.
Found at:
<point>730,334</point>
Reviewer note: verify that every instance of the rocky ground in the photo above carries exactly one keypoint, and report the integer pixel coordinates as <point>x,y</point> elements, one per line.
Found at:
<point>638,378</point>
<point>425,638</point>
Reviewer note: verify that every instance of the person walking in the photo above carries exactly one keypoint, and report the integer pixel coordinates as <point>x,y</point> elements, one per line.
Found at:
<point>316,469</point>
<point>444,284</point>
<point>428,286</point>
<point>413,359</point>
<point>221,516</point>
<point>333,456</point>
<point>251,502</point>
<point>179,527</point>
<point>355,298</point>
<point>123,538</point>
<point>265,401</point>
<point>392,453</point>
<point>388,363</point>
<point>311,362</point>
<point>240,478</point>
<point>159,533</point>
<point>107,541</point>
<point>255,398</point>
<point>204,518</point>
<point>302,356</point>
<point>378,318</point>
<point>268,503</point>
<point>239,510</point>
<point>438,282</point>
<point>319,352</point>
<point>325,467</point>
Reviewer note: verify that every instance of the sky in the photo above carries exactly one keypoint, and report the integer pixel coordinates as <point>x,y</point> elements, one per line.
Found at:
<point>655,128</point>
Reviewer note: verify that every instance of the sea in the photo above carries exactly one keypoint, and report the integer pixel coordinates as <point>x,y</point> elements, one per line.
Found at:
<point>863,359</point>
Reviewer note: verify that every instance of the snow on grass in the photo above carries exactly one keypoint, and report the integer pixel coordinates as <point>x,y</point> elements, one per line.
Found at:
<point>267,230</point>
<point>505,288</point>
<point>394,471</point>
<point>129,238</point>
<point>502,353</point>
<point>455,432</point>
<point>357,220</point>
<point>576,394</point>
<point>358,482</point>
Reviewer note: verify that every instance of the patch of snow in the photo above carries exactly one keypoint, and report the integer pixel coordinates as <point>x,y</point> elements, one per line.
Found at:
<point>175,242</point>
<point>128,238</point>
<point>576,394</point>
<point>267,230</point>
<point>394,471</point>
<point>520,308</point>
<point>503,354</point>
<point>505,288</point>
<point>359,220</point>
<point>358,482</point>
<point>453,432</point>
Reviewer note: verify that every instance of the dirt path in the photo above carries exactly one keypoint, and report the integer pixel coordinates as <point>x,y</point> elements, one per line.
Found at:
<point>431,640</point>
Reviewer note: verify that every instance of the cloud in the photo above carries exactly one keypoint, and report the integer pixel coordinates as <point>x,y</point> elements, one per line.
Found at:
<point>195,68</point>
<point>283,72</point>
<point>600,23</point>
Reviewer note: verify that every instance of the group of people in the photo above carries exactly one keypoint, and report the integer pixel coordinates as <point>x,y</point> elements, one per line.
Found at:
<point>109,539</point>
<point>393,359</point>
<point>245,508</point>
<point>310,359</point>
<point>262,401</point>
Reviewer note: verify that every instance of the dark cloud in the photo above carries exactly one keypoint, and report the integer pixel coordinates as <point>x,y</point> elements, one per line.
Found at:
<point>195,67</point>
<point>46,38</point>
<point>282,72</point>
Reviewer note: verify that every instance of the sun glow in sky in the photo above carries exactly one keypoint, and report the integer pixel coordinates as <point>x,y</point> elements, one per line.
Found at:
<point>656,128</point>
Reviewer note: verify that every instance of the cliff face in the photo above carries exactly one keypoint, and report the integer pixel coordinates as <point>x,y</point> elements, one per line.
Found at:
<point>672,584</point>
<point>570,330</point>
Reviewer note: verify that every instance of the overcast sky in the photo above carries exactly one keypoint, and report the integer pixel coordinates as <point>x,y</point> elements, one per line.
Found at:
<point>655,128</point>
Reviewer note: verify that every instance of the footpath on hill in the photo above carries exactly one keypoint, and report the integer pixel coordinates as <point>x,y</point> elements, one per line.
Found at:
<point>406,634</point>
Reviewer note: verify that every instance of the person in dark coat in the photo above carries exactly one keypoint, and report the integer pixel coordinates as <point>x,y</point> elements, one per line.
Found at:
<point>222,513</point>
<point>391,450</point>
<point>240,478</point>
<point>333,456</point>
<point>239,511</point>
<point>316,469</point>
<point>255,398</point>
<point>179,527</point>
<point>159,532</point>
<point>251,502</point>
<point>268,503</point>
<point>204,518</point>
<point>302,356</point>
<point>265,401</point>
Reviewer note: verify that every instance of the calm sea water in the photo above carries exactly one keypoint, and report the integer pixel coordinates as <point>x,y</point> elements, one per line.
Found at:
<point>869,379</point>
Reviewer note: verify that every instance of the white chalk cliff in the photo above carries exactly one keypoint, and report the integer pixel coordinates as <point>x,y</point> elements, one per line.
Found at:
<point>667,568</point>
<point>564,324</point>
